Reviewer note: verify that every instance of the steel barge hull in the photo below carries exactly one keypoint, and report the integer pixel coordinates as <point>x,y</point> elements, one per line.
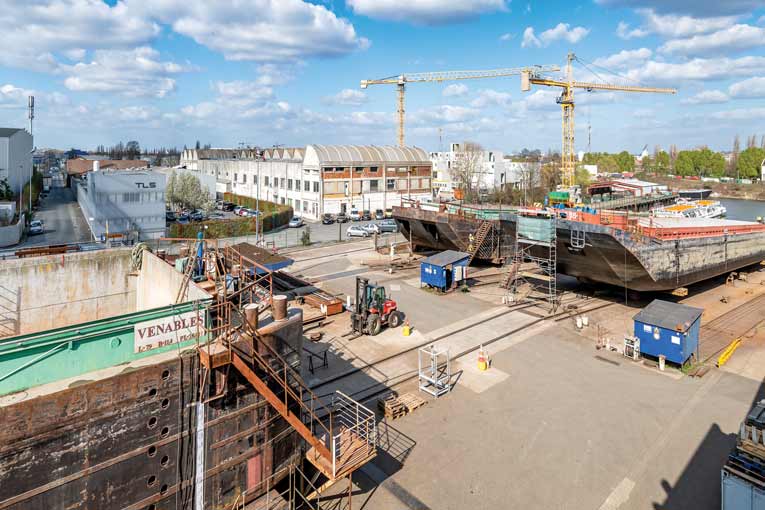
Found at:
<point>610,255</point>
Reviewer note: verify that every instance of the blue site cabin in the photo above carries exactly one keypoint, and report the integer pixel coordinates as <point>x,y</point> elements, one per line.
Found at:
<point>444,270</point>
<point>668,329</point>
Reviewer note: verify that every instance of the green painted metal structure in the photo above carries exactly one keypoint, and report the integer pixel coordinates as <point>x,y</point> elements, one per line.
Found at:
<point>39,358</point>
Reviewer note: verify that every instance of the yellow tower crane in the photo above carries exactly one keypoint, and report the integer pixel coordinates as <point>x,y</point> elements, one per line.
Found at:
<point>566,101</point>
<point>401,80</point>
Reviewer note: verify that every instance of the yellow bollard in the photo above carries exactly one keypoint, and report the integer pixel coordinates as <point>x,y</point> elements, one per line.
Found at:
<point>407,329</point>
<point>483,360</point>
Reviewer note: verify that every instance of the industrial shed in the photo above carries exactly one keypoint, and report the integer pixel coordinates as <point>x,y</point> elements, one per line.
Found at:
<point>443,271</point>
<point>668,329</point>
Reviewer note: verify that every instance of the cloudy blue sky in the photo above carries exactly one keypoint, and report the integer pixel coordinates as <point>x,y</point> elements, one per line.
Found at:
<point>263,72</point>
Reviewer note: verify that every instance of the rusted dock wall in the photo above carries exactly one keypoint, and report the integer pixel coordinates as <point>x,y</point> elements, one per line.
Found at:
<point>130,441</point>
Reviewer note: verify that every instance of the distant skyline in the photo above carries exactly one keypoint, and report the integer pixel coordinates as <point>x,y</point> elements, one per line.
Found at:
<point>265,72</point>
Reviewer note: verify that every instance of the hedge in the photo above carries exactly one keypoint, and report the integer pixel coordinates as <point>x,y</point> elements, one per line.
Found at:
<point>249,202</point>
<point>234,227</point>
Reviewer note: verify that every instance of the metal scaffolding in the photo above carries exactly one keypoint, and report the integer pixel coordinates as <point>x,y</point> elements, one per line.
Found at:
<point>532,274</point>
<point>434,370</point>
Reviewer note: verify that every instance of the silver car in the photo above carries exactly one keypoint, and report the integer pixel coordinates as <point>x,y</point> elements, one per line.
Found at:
<point>356,231</point>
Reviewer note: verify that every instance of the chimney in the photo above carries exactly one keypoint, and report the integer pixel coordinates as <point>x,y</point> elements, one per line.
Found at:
<point>96,165</point>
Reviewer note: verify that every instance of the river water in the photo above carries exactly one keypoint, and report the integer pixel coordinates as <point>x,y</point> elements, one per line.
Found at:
<point>745,210</point>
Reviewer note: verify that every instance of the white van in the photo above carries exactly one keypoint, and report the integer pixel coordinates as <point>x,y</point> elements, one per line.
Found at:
<point>355,215</point>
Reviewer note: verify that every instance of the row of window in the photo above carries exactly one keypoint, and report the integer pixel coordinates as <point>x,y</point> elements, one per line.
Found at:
<point>283,183</point>
<point>130,197</point>
<point>375,185</point>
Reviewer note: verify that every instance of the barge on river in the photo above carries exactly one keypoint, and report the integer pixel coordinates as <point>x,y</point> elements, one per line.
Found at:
<point>612,247</point>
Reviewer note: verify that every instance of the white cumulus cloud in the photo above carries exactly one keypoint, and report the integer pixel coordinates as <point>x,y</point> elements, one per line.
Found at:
<point>455,90</point>
<point>707,97</point>
<point>749,89</point>
<point>697,69</point>
<point>561,32</point>
<point>736,37</point>
<point>346,97</point>
<point>137,72</point>
<point>257,30</point>
<point>425,12</point>
<point>35,32</point>
<point>489,97</point>
<point>624,59</point>
<point>624,31</point>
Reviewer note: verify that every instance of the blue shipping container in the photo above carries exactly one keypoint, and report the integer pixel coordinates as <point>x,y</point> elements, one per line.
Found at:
<point>668,329</point>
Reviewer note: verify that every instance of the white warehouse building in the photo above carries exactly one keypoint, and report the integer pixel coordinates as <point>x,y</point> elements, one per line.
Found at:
<point>15,157</point>
<point>126,202</point>
<point>320,178</point>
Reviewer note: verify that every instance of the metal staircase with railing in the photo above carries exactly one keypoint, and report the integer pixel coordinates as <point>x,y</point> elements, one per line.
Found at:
<point>484,233</point>
<point>341,437</point>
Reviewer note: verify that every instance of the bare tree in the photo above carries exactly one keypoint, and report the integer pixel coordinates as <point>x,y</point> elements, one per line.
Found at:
<point>672,156</point>
<point>751,142</point>
<point>734,156</point>
<point>466,170</point>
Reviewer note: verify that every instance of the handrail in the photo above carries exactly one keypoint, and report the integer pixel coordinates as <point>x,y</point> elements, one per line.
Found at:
<point>281,375</point>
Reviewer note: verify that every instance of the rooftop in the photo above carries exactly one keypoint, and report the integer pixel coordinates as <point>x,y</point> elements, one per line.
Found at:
<point>81,166</point>
<point>667,315</point>
<point>6,132</point>
<point>325,155</point>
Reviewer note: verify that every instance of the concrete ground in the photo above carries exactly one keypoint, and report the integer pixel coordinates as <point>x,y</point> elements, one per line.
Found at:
<point>554,423</point>
<point>62,219</point>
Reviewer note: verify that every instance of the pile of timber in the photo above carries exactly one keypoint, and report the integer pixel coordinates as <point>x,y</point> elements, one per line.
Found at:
<point>395,406</point>
<point>747,460</point>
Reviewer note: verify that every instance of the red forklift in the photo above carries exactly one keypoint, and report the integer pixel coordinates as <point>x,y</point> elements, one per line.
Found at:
<point>373,309</point>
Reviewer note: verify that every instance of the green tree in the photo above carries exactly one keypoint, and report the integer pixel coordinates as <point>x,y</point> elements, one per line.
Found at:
<point>661,162</point>
<point>608,164</point>
<point>625,161</point>
<point>685,163</point>
<point>749,163</point>
<point>582,177</point>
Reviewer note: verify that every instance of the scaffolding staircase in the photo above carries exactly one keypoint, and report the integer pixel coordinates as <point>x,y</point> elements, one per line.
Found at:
<point>535,260</point>
<point>485,232</point>
<point>341,437</point>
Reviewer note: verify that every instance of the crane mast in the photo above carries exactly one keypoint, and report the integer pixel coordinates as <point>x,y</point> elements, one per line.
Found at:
<point>566,101</point>
<point>440,76</point>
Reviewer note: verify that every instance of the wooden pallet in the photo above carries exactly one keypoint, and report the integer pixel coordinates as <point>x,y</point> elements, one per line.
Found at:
<point>395,406</point>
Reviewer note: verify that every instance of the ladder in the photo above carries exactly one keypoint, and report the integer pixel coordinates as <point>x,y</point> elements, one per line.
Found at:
<point>341,437</point>
<point>481,234</point>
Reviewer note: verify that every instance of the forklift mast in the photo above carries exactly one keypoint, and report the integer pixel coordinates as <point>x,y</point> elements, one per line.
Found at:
<point>360,306</point>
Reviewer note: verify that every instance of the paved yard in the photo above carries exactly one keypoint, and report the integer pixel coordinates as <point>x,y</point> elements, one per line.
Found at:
<point>556,424</point>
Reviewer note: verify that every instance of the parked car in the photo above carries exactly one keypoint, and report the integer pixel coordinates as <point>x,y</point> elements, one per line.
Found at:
<point>198,215</point>
<point>355,215</point>
<point>371,228</point>
<point>250,212</point>
<point>341,218</point>
<point>366,216</point>
<point>389,212</point>
<point>327,219</point>
<point>296,222</point>
<point>238,210</point>
<point>182,219</point>
<point>379,214</point>
<point>228,206</point>
<point>356,231</point>
<point>36,227</point>
<point>169,216</point>
<point>388,225</point>
<point>219,205</point>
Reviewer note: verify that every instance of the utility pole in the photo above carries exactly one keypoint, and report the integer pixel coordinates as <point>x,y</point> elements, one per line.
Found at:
<point>31,166</point>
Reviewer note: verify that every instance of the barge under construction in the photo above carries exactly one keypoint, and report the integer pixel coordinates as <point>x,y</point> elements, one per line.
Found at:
<point>612,247</point>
